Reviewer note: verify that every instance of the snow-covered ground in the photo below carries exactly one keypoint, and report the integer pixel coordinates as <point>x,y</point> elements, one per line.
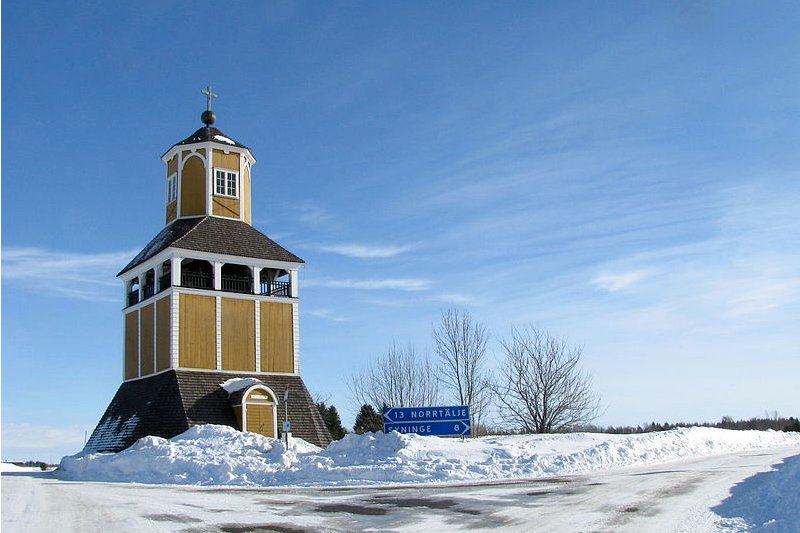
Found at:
<point>219,455</point>
<point>735,492</point>
<point>10,467</point>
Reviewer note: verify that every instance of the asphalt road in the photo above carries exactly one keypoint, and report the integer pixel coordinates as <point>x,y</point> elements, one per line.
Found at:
<point>675,496</point>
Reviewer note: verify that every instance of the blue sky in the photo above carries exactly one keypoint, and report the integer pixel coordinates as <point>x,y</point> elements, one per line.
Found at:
<point>623,174</point>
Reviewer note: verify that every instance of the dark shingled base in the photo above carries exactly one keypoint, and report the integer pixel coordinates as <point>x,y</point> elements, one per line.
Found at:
<point>168,404</point>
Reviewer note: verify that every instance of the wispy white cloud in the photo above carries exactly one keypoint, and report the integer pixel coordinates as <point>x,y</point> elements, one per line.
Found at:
<point>83,276</point>
<point>753,291</point>
<point>456,299</point>
<point>617,281</point>
<point>364,251</point>
<point>41,437</point>
<point>749,268</point>
<point>327,314</point>
<point>399,284</point>
<point>314,215</point>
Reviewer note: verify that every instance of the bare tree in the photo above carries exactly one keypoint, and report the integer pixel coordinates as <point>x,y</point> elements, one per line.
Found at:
<point>460,345</point>
<point>541,386</point>
<point>400,378</point>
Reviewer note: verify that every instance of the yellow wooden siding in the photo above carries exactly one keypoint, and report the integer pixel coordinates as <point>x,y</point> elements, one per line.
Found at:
<point>193,187</point>
<point>238,334</point>
<point>172,165</point>
<point>163,335</point>
<point>132,345</point>
<point>261,419</point>
<point>223,160</point>
<point>246,195</point>
<point>198,331</point>
<point>225,207</point>
<point>172,211</point>
<point>277,337</point>
<point>148,323</point>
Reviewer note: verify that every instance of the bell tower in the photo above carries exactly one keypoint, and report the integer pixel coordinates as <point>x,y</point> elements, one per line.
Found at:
<point>210,315</point>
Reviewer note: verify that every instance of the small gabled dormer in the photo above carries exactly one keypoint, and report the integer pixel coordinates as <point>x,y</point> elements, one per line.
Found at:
<point>208,173</point>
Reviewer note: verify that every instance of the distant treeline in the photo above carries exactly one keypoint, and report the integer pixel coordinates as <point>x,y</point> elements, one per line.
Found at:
<point>775,423</point>
<point>37,464</point>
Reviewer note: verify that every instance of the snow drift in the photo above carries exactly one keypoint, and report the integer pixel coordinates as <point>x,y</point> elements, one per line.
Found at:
<point>220,455</point>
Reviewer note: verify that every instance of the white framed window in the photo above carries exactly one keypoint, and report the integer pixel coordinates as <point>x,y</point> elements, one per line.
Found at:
<point>172,188</point>
<point>226,183</point>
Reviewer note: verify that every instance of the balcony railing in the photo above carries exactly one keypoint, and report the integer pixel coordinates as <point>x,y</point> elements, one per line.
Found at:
<point>196,280</point>
<point>203,280</point>
<point>148,291</point>
<point>237,284</point>
<point>276,288</point>
<point>133,297</point>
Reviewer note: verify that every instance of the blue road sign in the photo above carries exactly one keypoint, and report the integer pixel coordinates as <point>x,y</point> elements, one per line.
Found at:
<point>442,421</point>
<point>440,428</point>
<point>415,414</point>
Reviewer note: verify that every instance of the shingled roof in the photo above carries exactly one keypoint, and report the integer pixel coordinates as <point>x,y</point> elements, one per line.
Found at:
<point>167,404</point>
<point>216,235</point>
<point>208,134</point>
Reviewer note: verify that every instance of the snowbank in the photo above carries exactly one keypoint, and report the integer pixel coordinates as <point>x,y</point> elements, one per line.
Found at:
<point>219,455</point>
<point>769,501</point>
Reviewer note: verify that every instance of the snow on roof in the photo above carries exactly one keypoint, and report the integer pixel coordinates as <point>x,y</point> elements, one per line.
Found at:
<point>220,455</point>
<point>237,384</point>
<point>224,139</point>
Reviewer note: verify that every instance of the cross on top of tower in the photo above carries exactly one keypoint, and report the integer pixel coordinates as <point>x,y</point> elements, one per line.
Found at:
<point>208,117</point>
<point>209,95</point>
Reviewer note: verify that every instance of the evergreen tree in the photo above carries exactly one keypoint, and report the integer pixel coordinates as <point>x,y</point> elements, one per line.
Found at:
<point>332,421</point>
<point>368,419</point>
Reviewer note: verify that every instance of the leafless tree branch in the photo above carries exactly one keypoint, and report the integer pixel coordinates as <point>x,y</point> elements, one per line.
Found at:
<point>460,346</point>
<point>541,386</point>
<point>400,378</point>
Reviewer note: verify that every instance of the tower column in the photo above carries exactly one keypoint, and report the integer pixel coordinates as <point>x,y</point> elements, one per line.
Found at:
<point>141,286</point>
<point>293,283</point>
<point>159,271</point>
<point>256,279</point>
<point>217,276</point>
<point>176,271</point>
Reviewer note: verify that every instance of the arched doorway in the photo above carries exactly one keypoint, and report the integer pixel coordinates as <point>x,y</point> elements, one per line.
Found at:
<point>259,411</point>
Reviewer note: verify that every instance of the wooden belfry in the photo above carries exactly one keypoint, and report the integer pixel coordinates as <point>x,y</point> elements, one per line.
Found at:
<point>209,301</point>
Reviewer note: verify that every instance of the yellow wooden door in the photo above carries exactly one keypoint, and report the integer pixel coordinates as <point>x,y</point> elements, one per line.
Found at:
<point>261,419</point>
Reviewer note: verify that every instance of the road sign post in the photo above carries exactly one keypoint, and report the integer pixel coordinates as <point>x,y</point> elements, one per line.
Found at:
<point>448,421</point>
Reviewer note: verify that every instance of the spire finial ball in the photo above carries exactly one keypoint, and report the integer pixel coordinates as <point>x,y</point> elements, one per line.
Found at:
<point>208,117</point>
